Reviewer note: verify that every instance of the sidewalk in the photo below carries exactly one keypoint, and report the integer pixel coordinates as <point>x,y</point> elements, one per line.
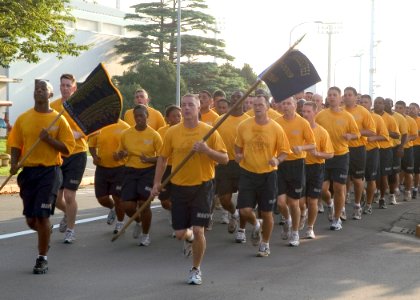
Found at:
<point>88,179</point>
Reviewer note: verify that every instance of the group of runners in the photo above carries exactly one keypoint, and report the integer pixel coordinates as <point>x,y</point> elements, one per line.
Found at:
<point>280,156</point>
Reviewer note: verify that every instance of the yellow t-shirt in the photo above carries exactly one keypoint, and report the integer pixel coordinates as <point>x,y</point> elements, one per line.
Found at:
<point>136,143</point>
<point>81,144</point>
<point>412,130</point>
<point>228,132</point>
<point>209,117</point>
<point>364,120</point>
<point>260,143</point>
<point>402,126</point>
<point>107,142</point>
<point>391,126</point>
<point>381,130</point>
<point>162,132</point>
<point>272,114</point>
<point>298,132</point>
<point>178,143</point>
<point>323,144</point>
<point>155,119</point>
<point>25,133</point>
<point>337,124</point>
<point>416,142</point>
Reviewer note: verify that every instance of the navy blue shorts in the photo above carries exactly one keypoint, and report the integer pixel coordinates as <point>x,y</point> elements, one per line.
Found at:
<point>372,164</point>
<point>258,189</point>
<point>396,161</point>
<point>291,178</point>
<point>416,154</point>
<point>314,179</point>
<point>191,205</point>
<point>166,193</point>
<point>385,161</point>
<point>108,181</point>
<point>38,190</point>
<point>407,162</point>
<point>137,183</point>
<point>357,161</point>
<point>227,178</point>
<point>73,168</point>
<point>337,168</point>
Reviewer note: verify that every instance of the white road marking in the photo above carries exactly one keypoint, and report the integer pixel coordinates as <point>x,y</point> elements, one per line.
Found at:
<point>87,220</point>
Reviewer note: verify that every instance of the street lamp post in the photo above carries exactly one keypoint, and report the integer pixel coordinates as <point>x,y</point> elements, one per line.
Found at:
<point>178,58</point>
<point>297,25</point>
<point>360,68</point>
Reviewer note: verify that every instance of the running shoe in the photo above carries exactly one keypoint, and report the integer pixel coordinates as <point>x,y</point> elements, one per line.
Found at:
<point>367,210</point>
<point>263,250</point>
<point>336,225</point>
<point>62,227</point>
<point>225,217</point>
<point>187,248</point>
<point>144,240</point>
<point>303,220</point>
<point>240,236</point>
<point>407,196</point>
<point>343,215</point>
<point>376,196</point>
<point>69,236</point>
<point>330,210</point>
<point>209,226</point>
<point>194,277</point>
<point>136,230</point>
<point>285,234</point>
<point>357,213</point>
<point>118,227</point>
<point>233,224</point>
<point>294,239</point>
<point>392,199</point>
<point>414,194</point>
<point>41,266</point>
<point>310,234</point>
<point>256,235</point>
<point>111,217</point>
<point>320,207</point>
<point>382,204</point>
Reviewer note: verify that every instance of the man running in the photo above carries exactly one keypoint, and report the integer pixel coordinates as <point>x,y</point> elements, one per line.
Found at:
<point>73,165</point>
<point>40,178</point>
<point>260,146</point>
<point>342,128</point>
<point>192,187</point>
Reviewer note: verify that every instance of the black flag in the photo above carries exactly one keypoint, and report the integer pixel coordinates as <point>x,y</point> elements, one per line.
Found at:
<point>293,74</point>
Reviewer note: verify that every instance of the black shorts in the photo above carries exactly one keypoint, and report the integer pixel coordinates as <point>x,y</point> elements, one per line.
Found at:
<point>137,183</point>
<point>73,168</point>
<point>258,189</point>
<point>227,178</point>
<point>314,179</point>
<point>291,178</point>
<point>165,194</point>
<point>407,162</point>
<point>416,154</point>
<point>337,168</point>
<point>385,161</point>
<point>108,181</point>
<point>357,161</point>
<point>396,161</point>
<point>191,205</point>
<point>38,190</point>
<point>372,164</point>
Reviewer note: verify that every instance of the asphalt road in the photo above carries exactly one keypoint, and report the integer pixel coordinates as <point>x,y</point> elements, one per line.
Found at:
<point>363,260</point>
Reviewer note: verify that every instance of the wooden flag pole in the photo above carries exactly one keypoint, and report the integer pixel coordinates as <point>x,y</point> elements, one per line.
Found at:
<point>20,163</point>
<point>205,138</point>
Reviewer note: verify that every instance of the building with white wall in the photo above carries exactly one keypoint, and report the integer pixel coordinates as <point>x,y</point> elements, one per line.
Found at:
<point>99,26</point>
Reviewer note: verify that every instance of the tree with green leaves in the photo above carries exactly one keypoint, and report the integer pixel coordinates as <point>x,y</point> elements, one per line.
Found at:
<point>157,29</point>
<point>28,28</point>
